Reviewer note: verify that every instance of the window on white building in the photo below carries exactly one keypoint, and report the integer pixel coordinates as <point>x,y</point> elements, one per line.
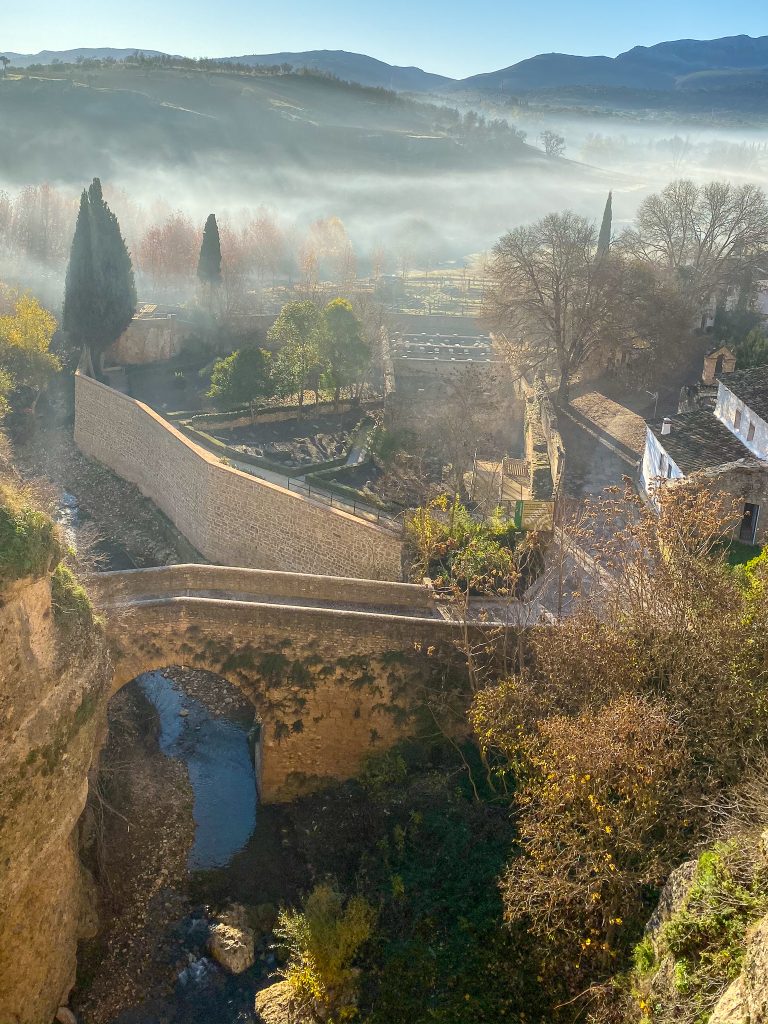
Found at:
<point>737,419</point>
<point>751,431</point>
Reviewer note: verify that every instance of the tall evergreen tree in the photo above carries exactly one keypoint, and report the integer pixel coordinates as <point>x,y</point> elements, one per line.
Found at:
<point>209,264</point>
<point>79,319</point>
<point>100,293</point>
<point>604,238</point>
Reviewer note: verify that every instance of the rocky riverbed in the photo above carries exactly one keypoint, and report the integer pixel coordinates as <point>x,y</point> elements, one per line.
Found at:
<point>175,799</point>
<point>119,526</point>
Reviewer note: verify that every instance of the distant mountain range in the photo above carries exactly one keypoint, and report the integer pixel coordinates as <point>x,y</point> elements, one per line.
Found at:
<point>23,60</point>
<point>663,67</point>
<point>730,62</point>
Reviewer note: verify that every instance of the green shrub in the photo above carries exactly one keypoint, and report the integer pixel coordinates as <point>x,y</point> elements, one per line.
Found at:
<point>644,957</point>
<point>322,941</point>
<point>455,550</point>
<point>381,770</point>
<point>28,541</point>
<point>705,937</point>
<point>70,602</point>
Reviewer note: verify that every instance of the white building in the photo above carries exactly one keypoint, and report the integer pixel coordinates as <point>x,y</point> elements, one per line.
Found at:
<point>733,438</point>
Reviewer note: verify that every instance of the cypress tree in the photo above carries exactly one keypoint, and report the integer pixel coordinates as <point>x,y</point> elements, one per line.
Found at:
<point>209,264</point>
<point>79,320</point>
<point>604,238</point>
<point>100,293</point>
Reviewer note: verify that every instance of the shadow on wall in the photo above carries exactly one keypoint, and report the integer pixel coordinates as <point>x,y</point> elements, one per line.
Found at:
<point>231,517</point>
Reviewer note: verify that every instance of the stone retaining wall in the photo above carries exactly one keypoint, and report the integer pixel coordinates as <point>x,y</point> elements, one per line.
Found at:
<point>232,518</point>
<point>544,447</point>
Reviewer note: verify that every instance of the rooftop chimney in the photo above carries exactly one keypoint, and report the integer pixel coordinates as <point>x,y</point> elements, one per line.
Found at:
<point>666,426</point>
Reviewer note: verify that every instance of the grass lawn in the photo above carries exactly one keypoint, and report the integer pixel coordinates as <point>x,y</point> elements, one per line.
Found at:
<point>740,553</point>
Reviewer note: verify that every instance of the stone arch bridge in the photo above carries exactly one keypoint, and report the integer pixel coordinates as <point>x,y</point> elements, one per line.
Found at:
<point>334,667</point>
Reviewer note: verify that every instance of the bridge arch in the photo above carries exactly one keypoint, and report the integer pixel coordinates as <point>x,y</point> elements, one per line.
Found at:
<point>332,667</point>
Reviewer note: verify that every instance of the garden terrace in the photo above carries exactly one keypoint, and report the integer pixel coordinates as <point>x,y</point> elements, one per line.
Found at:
<point>231,517</point>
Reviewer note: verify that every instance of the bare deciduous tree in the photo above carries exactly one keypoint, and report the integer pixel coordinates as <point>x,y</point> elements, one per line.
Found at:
<point>553,142</point>
<point>705,235</point>
<point>548,297</point>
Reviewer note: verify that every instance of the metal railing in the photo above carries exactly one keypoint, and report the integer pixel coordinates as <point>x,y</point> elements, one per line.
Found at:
<point>516,467</point>
<point>325,497</point>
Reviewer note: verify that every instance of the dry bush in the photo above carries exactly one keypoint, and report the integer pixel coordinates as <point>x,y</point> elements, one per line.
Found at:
<point>602,801</point>
<point>661,615</point>
<point>623,722</point>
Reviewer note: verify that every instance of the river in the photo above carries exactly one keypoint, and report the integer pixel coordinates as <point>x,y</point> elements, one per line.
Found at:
<point>219,761</point>
<point>218,756</point>
<point>208,733</point>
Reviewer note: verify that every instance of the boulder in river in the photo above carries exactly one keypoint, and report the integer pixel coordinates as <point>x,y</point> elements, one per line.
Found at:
<point>274,1004</point>
<point>231,942</point>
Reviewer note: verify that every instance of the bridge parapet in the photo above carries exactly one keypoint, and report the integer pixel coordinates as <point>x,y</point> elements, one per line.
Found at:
<point>196,579</point>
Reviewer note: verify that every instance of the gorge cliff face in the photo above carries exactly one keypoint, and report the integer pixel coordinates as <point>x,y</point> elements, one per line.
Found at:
<point>54,681</point>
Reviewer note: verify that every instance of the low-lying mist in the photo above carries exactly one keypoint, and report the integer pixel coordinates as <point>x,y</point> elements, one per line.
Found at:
<point>402,196</point>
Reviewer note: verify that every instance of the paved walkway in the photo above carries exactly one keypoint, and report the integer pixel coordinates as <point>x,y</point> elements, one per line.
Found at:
<point>603,440</point>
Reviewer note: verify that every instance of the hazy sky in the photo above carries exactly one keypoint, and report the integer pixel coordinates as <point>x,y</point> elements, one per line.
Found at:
<point>451,37</point>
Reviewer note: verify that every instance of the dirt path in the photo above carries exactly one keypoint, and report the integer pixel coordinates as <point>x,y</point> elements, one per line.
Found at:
<point>115,509</point>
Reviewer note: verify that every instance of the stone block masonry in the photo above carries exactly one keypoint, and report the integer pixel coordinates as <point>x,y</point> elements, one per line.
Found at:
<point>328,685</point>
<point>232,518</point>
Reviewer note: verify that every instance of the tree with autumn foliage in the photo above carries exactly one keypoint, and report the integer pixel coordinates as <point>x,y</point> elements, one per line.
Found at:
<point>26,331</point>
<point>620,721</point>
<point>168,252</point>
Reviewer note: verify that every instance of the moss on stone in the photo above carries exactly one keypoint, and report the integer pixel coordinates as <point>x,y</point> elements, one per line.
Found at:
<point>704,940</point>
<point>69,600</point>
<point>28,538</point>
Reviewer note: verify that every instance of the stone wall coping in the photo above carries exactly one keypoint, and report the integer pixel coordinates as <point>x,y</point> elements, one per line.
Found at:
<point>203,604</point>
<point>275,583</point>
<point>216,462</point>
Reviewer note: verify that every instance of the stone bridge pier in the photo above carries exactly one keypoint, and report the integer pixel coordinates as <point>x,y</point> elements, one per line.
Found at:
<point>335,668</point>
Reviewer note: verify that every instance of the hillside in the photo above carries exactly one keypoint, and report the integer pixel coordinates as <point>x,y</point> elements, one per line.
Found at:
<point>306,145</point>
<point>23,60</point>
<point>354,67</point>
<point>110,115</point>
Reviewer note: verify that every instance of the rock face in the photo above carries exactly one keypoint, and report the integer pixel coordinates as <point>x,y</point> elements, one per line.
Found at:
<point>730,1008</point>
<point>54,680</point>
<point>754,976</point>
<point>232,940</point>
<point>672,896</point>
<point>274,1004</point>
<point>745,1000</point>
